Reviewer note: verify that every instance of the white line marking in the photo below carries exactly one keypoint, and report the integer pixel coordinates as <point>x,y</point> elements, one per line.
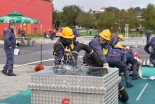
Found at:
<point>36,62</point>
<point>140,94</point>
<point>33,62</point>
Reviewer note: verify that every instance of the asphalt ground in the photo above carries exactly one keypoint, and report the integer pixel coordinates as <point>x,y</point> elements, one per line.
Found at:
<point>30,57</point>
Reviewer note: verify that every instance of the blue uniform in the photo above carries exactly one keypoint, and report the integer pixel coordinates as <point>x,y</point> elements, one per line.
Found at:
<point>9,41</point>
<point>117,58</point>
<point>133,62</point>
<point>114,41</point>
<point>59,47</point>
<point>75,32</point>
<point>148,34</point>
<point>98,48</point>
<point>152,52</point>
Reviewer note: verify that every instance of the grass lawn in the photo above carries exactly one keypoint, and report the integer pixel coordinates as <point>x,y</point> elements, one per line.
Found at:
<point>34,35</point>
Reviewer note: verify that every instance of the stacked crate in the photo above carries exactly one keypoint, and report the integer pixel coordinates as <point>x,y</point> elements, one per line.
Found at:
<point>49,88</point>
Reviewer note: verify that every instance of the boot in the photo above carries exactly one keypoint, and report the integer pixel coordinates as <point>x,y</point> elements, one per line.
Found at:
<point>4,72</point>
<point>11,74</point>
<point>129,85</point>
<point>134,77</point>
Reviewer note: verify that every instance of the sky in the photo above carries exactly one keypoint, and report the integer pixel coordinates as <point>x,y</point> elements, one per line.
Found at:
<point>97,4</point>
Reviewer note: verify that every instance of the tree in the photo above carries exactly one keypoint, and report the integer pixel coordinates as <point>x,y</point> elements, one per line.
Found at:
<point>132,18</point>
<point>85,19</point>
<point>149,17</point>
<point>106,20</point>
<point>70,14</point>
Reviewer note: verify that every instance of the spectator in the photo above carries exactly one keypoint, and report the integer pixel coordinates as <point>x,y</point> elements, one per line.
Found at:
<point>75,32</point>
<point>23,33</point>
<point>45,35</point>
<point>9,46</point>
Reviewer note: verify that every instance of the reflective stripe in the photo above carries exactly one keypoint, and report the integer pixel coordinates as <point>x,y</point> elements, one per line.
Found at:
<point>91,52</point>
<point>105,51</point>
<point>75,52</point>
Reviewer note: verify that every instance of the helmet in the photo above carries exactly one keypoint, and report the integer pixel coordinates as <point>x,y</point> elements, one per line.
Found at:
<point>105,34</point>
<point>67,33</point>
<point>118,46</point>
<point>121,37</point>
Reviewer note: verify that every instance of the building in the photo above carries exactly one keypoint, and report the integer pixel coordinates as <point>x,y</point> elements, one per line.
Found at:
<point>36,9</point>
<point>101,10</point>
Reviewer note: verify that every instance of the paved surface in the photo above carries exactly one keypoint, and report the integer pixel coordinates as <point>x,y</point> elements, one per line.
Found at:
<point>30,56</point>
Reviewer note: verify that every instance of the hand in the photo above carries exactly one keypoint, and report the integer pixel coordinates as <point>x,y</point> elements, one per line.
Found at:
<point>105,65</point>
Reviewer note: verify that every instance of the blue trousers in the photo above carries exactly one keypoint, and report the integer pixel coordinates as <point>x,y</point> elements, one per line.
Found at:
<point>133,62</point>
<point>116,62</point>
<point>152,61</point>
<point>9,60</point>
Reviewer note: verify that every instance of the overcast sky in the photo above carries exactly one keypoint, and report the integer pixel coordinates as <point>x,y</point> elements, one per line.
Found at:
<point>97,4</point>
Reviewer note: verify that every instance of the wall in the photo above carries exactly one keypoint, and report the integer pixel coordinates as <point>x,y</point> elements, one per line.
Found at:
<point>37,9</point>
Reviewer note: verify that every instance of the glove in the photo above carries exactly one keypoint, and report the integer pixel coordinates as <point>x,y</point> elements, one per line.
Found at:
<point>105,65</point>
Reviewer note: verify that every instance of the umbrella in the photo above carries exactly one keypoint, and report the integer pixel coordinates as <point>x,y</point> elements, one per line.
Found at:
<point>17,18</point>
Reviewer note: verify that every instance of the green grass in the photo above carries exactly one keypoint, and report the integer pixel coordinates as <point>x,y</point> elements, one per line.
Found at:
<point>34,35</point>
<point>86,34</point>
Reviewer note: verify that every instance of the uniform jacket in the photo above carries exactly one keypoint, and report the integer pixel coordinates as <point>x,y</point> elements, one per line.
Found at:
<point>114,41</point>
<point>9,38</point>
<point>60,45</point>
<point>117,53</point>
<point>152,44</point>
<point>98,48</point>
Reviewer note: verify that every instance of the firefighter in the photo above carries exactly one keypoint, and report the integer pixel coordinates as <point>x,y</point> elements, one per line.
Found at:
<point>9,46</point>
<point>64,45</point>
<point>115,39</point>
<point>151,43</point>
<point>117,58</point>
<point>131,60</point>
<point>100,46</point>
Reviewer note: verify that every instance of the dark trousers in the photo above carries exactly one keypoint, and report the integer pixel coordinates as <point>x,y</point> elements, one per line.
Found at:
<point>152,61</point>
<point>131,60</point>
<point>116,62</point>
<point>147,39</point>
<point>9,60</point>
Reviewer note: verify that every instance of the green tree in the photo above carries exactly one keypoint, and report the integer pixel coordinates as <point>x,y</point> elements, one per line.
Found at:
<point>70,14</point>
<point>132,19</point>
<point>85,19</point>
<point>149,17</point>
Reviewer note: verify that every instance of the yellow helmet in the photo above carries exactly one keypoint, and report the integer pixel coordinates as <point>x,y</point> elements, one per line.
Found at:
<point>121,37</point>
<point>105,34</point>
<point>118,46</point>
<point>67,33</point>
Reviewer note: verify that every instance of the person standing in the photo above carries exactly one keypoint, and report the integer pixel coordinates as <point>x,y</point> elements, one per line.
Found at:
<point>148,35</point>
<point>151,52</point>
<point>9,46</point>
<point>45,35</point>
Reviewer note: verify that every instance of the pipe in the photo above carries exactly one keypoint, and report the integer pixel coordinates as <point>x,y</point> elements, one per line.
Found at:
<point>88,50</point>
<point>123,96</point>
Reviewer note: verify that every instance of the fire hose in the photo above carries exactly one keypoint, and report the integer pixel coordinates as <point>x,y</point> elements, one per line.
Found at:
<point>123,96</point>
<point>88,50</point>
